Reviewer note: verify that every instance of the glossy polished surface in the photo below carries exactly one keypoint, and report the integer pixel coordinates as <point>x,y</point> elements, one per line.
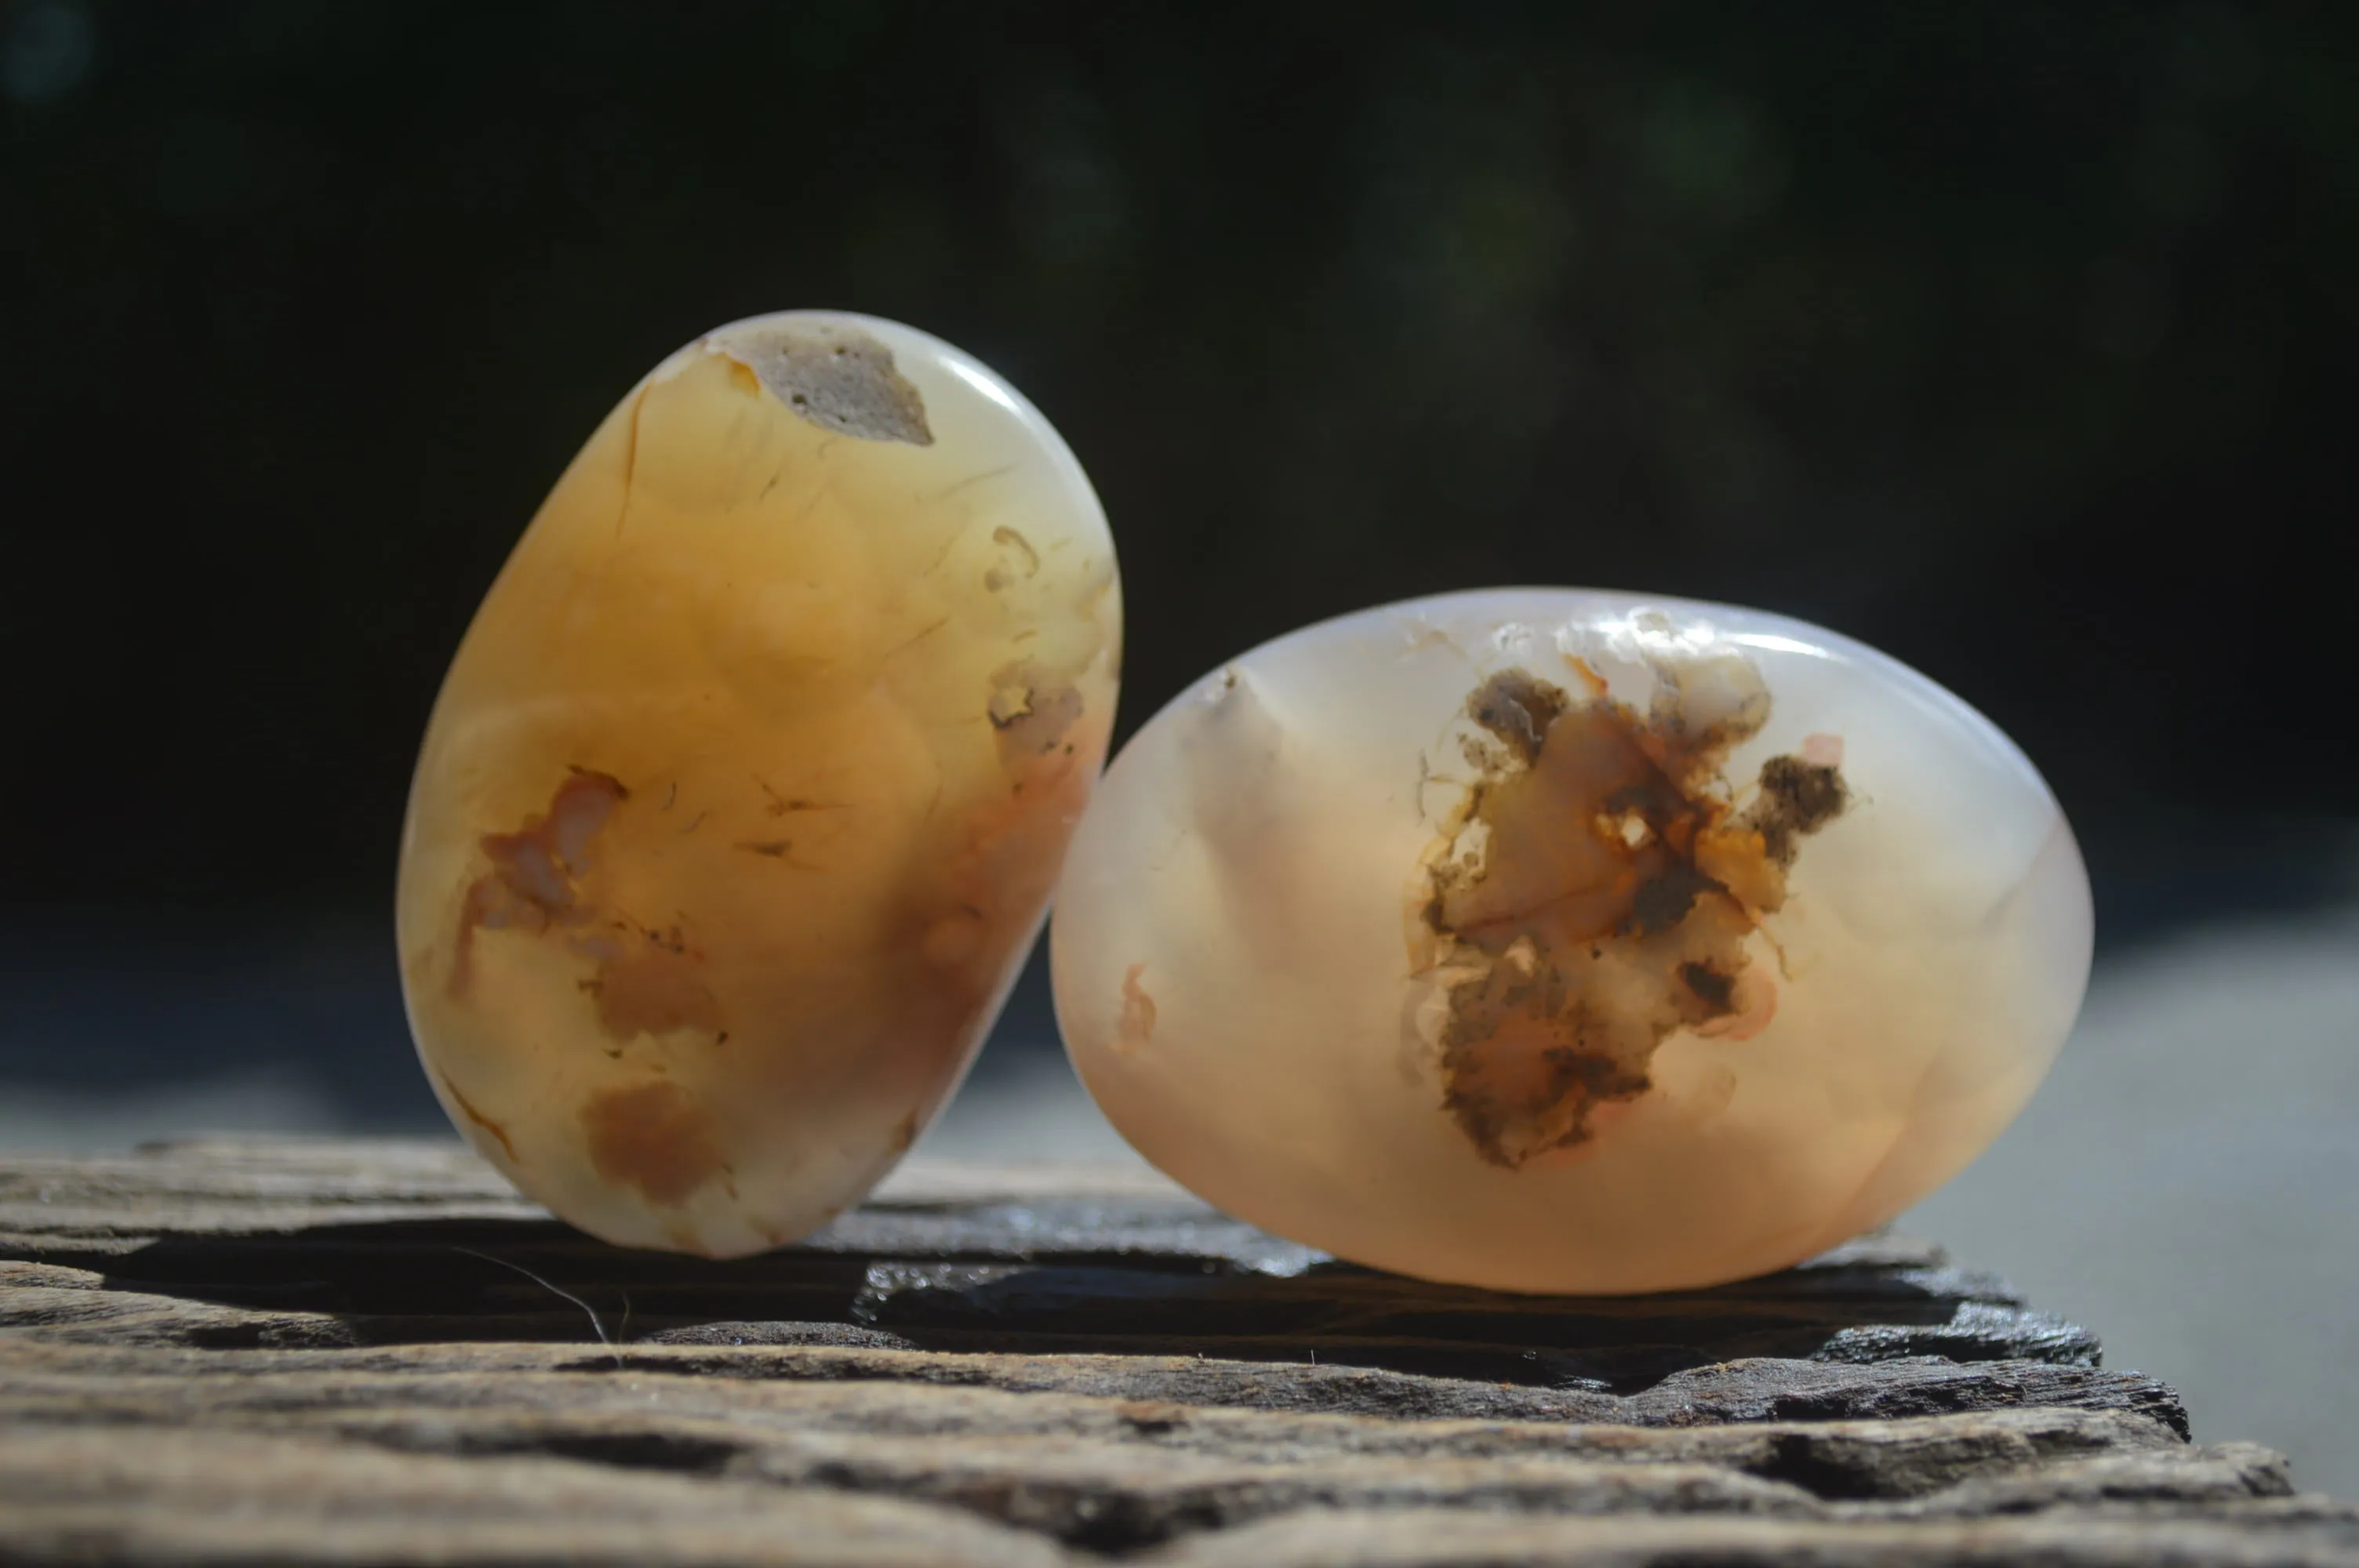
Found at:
<point>745,792</point>
<point>1555,940</point>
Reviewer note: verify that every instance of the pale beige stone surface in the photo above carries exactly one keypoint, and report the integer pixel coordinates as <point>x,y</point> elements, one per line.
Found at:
<point>746,789</point>
<point>1557,940</point>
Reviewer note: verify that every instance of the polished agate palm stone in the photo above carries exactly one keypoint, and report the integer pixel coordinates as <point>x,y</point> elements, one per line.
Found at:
<point>1566,941</point>
<point>745,794</point>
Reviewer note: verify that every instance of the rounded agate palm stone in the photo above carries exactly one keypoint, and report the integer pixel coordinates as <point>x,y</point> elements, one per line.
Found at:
<point>745,792</point>
<point>1565,941</point>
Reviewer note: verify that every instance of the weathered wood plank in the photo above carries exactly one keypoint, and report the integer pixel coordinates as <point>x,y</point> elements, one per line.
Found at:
<point>139,1495</point>
<point>1106,1473</point>
<point>365,1353</point>
<point>255,1185</point>
<point>257,1246</point>
<point>1464,1538</point>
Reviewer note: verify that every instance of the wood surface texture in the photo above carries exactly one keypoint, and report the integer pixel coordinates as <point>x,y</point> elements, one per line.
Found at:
<point>373,1352</point>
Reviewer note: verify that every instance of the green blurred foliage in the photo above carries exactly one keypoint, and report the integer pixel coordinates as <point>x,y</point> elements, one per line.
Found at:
<point>2015,338</point>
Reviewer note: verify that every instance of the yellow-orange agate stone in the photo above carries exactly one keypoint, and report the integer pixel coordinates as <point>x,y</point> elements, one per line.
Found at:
<point>745,792</point>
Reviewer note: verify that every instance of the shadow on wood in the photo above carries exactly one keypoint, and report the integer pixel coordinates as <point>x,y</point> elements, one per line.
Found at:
<point>1038,1279</point>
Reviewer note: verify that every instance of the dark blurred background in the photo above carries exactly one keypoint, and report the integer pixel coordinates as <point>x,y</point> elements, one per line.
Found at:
<point>2019,340</point>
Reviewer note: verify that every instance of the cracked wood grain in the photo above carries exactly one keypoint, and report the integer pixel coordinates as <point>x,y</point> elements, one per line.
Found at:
<point>254,1352</point>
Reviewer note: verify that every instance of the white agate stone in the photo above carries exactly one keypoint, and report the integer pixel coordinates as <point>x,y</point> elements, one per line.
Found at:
<point>1555,940</point>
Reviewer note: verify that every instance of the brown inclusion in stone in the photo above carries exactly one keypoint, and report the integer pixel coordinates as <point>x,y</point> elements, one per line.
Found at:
<point>1594,893</point>
<point>653,1137</point>
<point>533,883</point>
<point>647,979</point>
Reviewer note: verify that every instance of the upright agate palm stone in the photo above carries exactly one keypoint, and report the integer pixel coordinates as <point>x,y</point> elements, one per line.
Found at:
<point>747,790</point>
<point>1553,940</point>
